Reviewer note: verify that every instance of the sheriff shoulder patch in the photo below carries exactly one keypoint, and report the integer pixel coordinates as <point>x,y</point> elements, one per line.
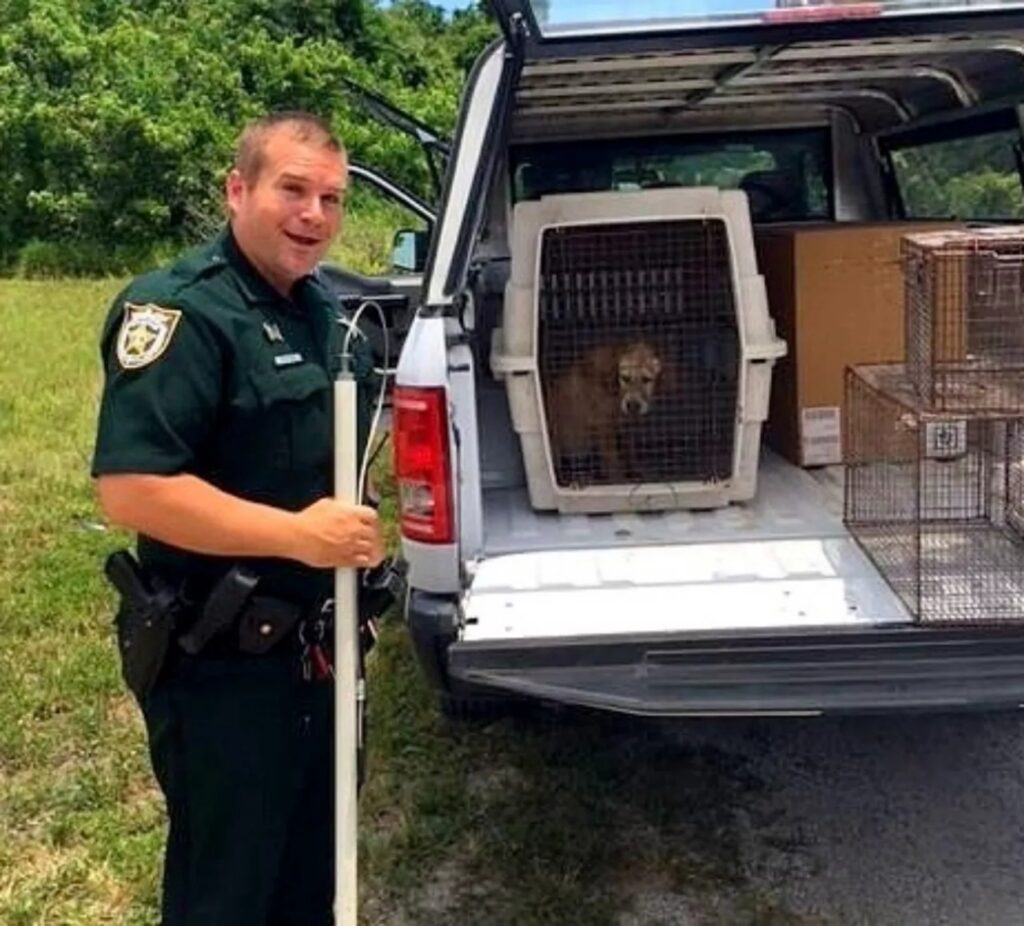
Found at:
<point>146,330</point>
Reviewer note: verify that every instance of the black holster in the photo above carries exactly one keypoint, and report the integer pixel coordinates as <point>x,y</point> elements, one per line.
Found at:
<point>144,622</point>
<point>260,622</point>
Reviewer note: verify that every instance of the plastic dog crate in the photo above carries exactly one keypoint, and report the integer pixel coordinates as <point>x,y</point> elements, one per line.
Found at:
<point>935,499</point>
<point>637,349</point>
<point>965,318</point>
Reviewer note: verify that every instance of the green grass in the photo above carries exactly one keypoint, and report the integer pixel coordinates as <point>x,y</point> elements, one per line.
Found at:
<point>547,819</point>
<point>80,819</point>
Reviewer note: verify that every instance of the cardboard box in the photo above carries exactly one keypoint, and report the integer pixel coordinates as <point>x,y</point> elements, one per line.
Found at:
<point>836,293</point>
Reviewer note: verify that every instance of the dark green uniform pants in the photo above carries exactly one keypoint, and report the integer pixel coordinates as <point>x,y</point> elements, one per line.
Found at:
<point>242,748</point>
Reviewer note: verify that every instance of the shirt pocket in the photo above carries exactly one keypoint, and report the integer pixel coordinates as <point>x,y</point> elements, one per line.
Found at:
<point>294,414</point>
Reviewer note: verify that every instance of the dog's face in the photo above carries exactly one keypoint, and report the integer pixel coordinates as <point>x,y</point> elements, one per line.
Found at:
<point>639,369</point>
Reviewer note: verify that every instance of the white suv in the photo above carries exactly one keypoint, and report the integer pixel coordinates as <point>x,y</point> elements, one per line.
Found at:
<point>762,606</point>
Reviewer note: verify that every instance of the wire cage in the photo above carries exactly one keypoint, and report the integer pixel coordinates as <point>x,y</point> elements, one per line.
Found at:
<point>965,318</point>
<point>638,352</point>
<point>935,500</point>
<point>636,349</point>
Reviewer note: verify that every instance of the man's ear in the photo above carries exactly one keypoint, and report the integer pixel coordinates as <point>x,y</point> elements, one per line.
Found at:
<point>234,188</point>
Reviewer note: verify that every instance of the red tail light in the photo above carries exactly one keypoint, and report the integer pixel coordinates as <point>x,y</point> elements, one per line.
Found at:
<point>422,468</point>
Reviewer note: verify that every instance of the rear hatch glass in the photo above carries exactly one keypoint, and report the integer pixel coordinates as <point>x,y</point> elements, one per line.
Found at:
<point>786,173</point>
<point>564,18</point>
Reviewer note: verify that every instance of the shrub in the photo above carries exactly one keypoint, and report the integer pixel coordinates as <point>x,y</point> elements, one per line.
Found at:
<point>50,259</point>
<point>117,119</point>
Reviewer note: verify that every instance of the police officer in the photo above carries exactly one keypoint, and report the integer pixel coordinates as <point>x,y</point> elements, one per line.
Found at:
<point>214,445</point>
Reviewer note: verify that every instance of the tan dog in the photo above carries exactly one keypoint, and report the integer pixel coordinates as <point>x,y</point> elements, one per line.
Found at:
<point>588,402</point>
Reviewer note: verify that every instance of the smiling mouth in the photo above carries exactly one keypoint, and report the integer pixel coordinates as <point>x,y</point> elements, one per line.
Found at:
<point>302,240</point>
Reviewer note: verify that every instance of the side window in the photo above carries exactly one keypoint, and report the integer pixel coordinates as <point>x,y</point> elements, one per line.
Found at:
<point>370,230</point>
<point>972,177</point>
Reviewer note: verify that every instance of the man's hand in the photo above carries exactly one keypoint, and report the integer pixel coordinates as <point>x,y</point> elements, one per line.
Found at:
<point>187,512</point>
<point>332,533</point>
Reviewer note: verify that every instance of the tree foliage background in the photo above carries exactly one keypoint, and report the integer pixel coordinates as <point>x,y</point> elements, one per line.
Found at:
<point>971,178</point>
<point>117,117</point>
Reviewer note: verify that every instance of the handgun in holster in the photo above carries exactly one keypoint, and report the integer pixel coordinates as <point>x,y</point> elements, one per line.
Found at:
<point>222,608</point>
<point>144,622</point>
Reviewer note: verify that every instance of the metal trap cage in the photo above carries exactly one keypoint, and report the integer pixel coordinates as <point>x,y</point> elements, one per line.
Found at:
<point>965,318</point>
<point>637,349</point>
<point>935,500</point>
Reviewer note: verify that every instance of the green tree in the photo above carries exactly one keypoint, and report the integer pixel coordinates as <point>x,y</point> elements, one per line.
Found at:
<point>117,116</point>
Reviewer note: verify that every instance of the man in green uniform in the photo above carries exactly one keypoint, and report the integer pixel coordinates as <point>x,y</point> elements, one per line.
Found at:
<point>214,444</point>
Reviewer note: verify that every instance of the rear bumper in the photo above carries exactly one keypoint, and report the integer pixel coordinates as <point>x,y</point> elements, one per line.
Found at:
<point>856,671</point>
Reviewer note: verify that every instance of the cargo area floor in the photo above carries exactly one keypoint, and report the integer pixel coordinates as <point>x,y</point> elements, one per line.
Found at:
<point>782,560</point>
<point>791,503</point>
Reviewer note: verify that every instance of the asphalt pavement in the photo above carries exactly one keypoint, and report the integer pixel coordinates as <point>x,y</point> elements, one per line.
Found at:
<point>888,821</point>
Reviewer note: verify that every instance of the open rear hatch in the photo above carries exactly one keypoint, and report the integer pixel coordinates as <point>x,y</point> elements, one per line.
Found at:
<point>657,65</point>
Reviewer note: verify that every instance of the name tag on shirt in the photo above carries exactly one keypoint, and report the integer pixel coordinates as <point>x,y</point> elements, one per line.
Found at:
<point>287,360</point>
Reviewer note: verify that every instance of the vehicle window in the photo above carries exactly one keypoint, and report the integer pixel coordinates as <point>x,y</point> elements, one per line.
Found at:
<point>785,174</point>
<point>567,17</point>
<point>965,178</point>
<point>372,219</point>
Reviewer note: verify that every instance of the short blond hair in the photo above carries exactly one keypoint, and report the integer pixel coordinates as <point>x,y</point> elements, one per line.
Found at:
<point>307,127</point>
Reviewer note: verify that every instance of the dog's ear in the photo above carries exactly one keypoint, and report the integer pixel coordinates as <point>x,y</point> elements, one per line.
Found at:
<point>610,379</point>
<point>654,365</point>
<point>605,364</point>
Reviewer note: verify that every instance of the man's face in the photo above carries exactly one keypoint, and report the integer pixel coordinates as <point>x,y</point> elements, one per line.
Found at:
<point>285,219</point>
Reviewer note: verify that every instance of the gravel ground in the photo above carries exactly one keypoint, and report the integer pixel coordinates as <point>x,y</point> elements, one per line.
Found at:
<point>873,820</point>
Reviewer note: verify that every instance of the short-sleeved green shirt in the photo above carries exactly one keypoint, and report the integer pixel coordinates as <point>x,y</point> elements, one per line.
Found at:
<point>210,371</point>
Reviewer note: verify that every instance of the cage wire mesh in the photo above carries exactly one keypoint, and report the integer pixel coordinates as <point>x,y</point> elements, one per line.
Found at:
<point>638,352</point>
<point>965,318</point>
<point>936,501</point>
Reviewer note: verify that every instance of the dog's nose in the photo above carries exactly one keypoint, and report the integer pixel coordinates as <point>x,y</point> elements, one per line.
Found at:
<point>632,406</point>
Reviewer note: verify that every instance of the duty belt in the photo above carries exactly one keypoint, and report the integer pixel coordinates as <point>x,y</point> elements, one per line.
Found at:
<point>260,622</point>
<point>232,618</point>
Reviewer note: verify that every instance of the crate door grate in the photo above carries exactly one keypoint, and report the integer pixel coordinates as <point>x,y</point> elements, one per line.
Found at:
<point>638,352</point>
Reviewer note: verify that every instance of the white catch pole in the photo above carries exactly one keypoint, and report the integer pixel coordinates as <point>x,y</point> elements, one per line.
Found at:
<point>346,667</point>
